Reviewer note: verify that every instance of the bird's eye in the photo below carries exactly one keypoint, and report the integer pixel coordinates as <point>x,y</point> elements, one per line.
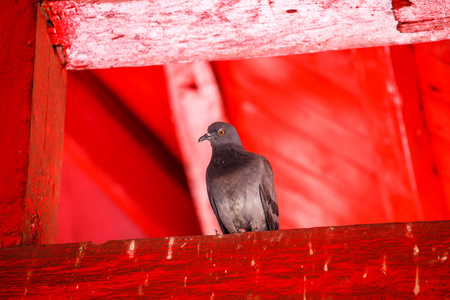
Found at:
<point>221,132</point>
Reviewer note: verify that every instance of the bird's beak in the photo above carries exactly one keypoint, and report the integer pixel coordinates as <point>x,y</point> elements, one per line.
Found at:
<point>206,136</point>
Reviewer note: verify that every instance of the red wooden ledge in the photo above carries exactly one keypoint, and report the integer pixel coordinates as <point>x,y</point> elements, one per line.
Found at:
<point>103,34</point>
<point>398,260</point>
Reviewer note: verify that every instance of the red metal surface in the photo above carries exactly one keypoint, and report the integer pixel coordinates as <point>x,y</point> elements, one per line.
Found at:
<point>395,261</point>
<point>31,122</point>
<point>104,34</point>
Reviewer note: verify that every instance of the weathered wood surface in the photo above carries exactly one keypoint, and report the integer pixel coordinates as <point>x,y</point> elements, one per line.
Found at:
<point>104,34</point>
<point>421,15</point>
<point>32,85</point>
<point>396,261</point>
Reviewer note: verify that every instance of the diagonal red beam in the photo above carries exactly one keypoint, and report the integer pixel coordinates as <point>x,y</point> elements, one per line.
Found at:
<point>378,261</point>
<point>104,34</point>
<point>126,159</point>
<point>428,182</point>
<point>195,102</point>
<point>33,86</point>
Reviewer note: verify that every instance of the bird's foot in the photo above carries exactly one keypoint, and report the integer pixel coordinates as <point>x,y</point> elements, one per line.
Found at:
<point>217,232</point>
<point>241,230</point>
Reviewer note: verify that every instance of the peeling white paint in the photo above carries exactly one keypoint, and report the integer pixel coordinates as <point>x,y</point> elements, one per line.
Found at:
<point>279,236</point>
<point>416,250</point>
<point>304,287</point>
<point>442,258</point>
<point>146,281</point>
<point>383,265</point>
<point>169,252</point>
<point>416,289</point>
<point>131,249</point>
<point>325,266</point>
<point>365,274</point>
<point>311,252</point>
<point>185,279</point>
<point>81,252</point>
<point>409,230</point>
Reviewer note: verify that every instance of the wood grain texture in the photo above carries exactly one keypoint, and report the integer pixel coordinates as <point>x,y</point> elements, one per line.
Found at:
<point>398,260</point>
<point>32,82</point>
<point>421,15</point>
<point>46,142</point>
<point>16,78</point>
<point>103,34</point>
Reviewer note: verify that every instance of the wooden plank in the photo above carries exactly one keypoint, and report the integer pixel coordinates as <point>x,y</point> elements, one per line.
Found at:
<point>398,261</point>
<point>383,102</point>
<point>430,189</point>
<point>32,123</point>
<point>196,102</point>
<point>104,34</point>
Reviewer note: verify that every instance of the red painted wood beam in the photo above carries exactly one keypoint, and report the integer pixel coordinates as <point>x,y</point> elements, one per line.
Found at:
<point>429,185</point>
<point>104,34</point>
<point>33,85</point>
<point>382,100</point>
<point>196,102</point>
<point>395,261</point>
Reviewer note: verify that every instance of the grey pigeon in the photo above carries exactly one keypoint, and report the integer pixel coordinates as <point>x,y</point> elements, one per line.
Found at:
<point>239,183</point>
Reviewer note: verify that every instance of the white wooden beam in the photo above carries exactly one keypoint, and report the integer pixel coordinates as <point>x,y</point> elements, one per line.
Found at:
<point>105,33</point>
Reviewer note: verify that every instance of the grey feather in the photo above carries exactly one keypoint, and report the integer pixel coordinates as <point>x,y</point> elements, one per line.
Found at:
<point>239,184</point>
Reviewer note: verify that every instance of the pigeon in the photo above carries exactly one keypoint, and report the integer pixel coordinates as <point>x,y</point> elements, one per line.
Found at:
<point>239,184</point>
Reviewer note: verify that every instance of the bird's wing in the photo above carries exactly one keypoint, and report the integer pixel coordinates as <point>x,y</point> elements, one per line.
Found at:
<point>216,212</point>
<point>268,196</point>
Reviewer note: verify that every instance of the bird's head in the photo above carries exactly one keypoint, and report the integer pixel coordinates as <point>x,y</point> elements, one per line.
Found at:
<point>221,133</point>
